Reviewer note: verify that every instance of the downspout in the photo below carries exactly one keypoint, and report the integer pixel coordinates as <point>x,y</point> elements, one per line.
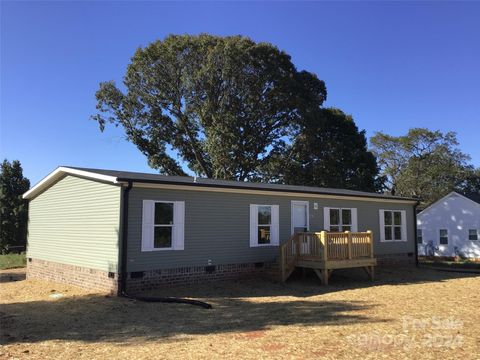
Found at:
<point>415,231</point>
<point>122,291</point>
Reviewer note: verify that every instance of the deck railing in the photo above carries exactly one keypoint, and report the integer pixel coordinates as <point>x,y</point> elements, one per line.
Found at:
<point>324,246</point>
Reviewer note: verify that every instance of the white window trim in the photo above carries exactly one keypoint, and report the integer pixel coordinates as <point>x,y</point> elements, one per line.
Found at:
<point>468,234</point>
<point>274,226</point>
<point>403,215</point>
<point>148,225</point>
<point>440,236</point>
<point>299,202</point>
<point>326,218</point>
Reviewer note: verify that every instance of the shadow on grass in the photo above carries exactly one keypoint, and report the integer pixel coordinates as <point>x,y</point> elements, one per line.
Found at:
<point>304,285</point>
<point>9,276</point>
<point>108,319</point>
<point>241,307</point>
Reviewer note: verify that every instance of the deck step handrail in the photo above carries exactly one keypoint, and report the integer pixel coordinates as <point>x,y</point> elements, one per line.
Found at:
<point>288,256</point>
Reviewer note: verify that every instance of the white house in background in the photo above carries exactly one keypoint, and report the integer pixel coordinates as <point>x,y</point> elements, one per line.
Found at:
<point>450,227</point>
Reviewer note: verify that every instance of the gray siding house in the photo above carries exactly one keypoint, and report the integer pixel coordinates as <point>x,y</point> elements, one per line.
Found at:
<point>109,230</point>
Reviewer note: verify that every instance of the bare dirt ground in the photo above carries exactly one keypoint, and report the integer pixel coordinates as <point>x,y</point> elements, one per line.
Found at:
<point>406,313</point>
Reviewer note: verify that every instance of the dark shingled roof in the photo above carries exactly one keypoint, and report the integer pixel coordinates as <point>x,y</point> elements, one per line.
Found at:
<point>472,196</point>
<point>191,181</point>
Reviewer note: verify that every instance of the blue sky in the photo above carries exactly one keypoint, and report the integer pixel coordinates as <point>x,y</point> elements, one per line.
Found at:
<point>392,65</point>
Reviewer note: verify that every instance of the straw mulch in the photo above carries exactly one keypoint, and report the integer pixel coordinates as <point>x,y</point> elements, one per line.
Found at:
<point>405,313</point>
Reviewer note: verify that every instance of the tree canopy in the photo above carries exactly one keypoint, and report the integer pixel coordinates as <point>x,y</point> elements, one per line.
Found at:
<point>13,208</point>
<point>423,163</point>
<point>328,151</point>
<point>220,105</point>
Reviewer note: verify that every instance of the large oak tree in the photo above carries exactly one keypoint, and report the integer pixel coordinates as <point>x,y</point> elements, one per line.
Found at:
<point>329,151</point>
<point>220,105</point>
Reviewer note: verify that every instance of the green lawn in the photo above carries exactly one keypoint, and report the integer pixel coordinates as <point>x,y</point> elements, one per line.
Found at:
<point>11,261</point>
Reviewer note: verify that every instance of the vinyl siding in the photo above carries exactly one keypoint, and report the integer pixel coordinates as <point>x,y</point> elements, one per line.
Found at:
<point>217,227</point>
<point>76,221</point>
<point>457,214</point>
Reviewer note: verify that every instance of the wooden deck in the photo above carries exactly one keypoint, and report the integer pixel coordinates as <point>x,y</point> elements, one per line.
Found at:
<point>326,251</point>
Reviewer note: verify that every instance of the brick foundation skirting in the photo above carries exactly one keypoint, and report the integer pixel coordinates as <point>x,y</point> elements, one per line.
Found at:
<point>144,280</point>
<point>388,260</point>
<point>153,279</point>
<point>70,274</point>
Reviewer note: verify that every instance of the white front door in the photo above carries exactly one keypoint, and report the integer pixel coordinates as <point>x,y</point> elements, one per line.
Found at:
<point>300,222</point>
<point>299,216</point>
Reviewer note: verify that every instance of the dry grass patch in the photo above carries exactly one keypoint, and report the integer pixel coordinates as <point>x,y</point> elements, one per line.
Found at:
<point>352,318</point>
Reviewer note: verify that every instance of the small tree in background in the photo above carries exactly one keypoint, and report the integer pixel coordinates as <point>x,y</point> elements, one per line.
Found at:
<point>471,182</point>
<point>423,163</point>
<point>13,209</point>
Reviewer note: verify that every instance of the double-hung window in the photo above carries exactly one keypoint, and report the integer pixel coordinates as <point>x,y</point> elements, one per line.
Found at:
<point>264,225</point>
<point>163,225</point>
<point>393,225</point>
<point>443,237</point>
<point>473,234</point>
<point>340,219</point>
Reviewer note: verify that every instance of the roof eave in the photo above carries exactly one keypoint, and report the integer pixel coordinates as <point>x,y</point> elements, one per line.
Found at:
<point>166,182</point>
<point>58,173</point>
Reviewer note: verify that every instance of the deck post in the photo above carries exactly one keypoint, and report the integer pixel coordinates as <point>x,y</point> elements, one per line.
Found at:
<point>370,235</point>
<point>296,239</point>
<point>349,242</point>
<point>323,240</point>
<point>282,263</point>
<point>325,276</point>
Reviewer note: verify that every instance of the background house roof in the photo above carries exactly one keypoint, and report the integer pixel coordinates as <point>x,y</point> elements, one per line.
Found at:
<point>475,197</point>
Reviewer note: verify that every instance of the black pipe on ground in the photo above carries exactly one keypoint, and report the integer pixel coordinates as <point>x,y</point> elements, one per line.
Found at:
<point>170,300</point>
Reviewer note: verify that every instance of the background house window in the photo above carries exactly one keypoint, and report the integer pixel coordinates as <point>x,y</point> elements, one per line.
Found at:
<point>163,225</point>
<point>473,234</point>
<point>443,236</point>
<point>393,225</point>
<point>264,225</point>
<point>419,236</point>
<point>338,219</point>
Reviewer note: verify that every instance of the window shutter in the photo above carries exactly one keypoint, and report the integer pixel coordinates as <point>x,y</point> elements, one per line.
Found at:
<point>354,220</point>
<point>404,225</point>
<point>275,231</point>
<point>326,218</point>
<point>179,225</point>
<point>147,224</point>
<point>381,214</point>
<point>253,225</point>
